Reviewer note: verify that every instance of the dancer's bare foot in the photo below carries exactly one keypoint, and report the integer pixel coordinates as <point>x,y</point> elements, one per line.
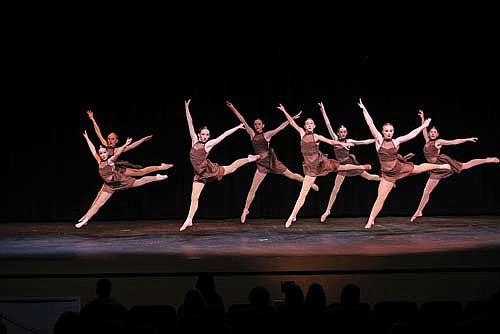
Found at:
<point>186,224</point>
<point>492,160</point>
<point>253,157</point>
<point>82,222</point>
<point>415,216</point>
<point>370,224</point>
<point>160,177</point>
<point>315,187</point>
<point>290,221</point>
<point>165,166</point>
<point>324,216</point>
<point>243,217</point>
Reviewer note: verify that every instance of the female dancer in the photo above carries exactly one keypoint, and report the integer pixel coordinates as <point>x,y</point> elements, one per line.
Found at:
<point>116,177</point>
<point>315,163</point>
<point>432,153</point>
<point>393,166</point>
<point>268,162</point>
<point>343,156</point>
<point>204,169</point>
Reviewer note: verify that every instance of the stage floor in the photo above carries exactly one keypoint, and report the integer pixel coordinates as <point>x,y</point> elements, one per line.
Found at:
<point>260,246</point>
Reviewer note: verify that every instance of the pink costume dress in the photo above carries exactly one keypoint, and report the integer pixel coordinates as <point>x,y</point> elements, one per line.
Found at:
<point>432,155</point>
<point>394,166</point>
<point>114,177</point>
<point>268,162</point>
<point>315,163</point>
<point>343,156</point>
<point>204,169</point>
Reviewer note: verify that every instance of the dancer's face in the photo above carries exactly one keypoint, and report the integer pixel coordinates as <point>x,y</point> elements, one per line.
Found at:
<point>103,153</point>
<point>309,125</point>
<point>342,133</point>
<point>204,135</point>
<point>258,125</point>
<point>433,133</point>
<point>112,139</point>
<point>387,131</point>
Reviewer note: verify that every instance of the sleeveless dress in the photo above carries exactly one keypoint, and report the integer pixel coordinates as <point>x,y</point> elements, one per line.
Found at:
<point>204,169</point>
<point>315,163</point>
<point>268,162</point>
<point>114,177</point>
<point>344,157</point>
<point>394,167</point>
<point>432,155</point>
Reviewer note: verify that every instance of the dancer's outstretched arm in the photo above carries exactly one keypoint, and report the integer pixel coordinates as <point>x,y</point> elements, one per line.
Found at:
<point>292,122</point>
<point>192,133</point>
<point>97,130</point>
<point>269,134</point>
<point>240,117</point>
<point>444,142</point>
<point>332,133</point>
<point>91,147</point>
<point>424,130</point>
<point>361,142</point>
<point>412,134</point>
<point>120,150</point>
<point>211,143</point>
<point>369,121</point>
<point>137,143</point>
<point>332,141</point>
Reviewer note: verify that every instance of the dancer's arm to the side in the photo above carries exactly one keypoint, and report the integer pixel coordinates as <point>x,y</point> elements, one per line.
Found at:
<point>269,134</point>
<point>211,143</point>
<point>444,142</point>
<point>369,121</point>
<point>137,143</point>
<point>192,133</point>
<point>291,121</point>
<point>120,150</point>
<point>240,117</point>
<point>332,133</point>
<point>424,130</point>
<point>97,130</point>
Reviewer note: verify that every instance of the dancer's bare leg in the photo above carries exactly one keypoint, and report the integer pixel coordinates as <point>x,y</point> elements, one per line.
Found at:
<point>102,198</point>
<point>148,179</point>
<point>306,186</point>
<point>339,179</point>
<point>384,188</point>
<point>258,177</point>
<point>240,162</point>
<point>425,167</point>
<point>351,166</point>
<point>429,187</point>
<point>147,170</point>
<point>370,177</point>
<point>298,177</point>
<point>477,162</point>
<point>94,202</point>
<point>193,207</point>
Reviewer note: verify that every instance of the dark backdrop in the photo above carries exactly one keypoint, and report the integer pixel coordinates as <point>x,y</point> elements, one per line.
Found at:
<point>51,175</point>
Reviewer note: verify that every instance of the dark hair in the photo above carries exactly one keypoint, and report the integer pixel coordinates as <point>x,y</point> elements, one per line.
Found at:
<point>203,128</point>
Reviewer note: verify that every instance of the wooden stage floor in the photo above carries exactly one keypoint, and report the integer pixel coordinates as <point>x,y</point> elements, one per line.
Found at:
<point>261,246</point>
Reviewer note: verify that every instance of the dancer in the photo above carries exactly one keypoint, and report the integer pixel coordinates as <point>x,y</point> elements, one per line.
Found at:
<point>315,163</point>
<point>268,162</point>
<point>117,177</point>
<point>432,153</point>
<point>112,140</point>
<point>204,169</point>
<point>393,166</point>
<point>343,156</point>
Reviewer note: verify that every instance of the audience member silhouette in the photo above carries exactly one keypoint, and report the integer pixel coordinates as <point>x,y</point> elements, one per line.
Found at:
<point>104,313</point>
